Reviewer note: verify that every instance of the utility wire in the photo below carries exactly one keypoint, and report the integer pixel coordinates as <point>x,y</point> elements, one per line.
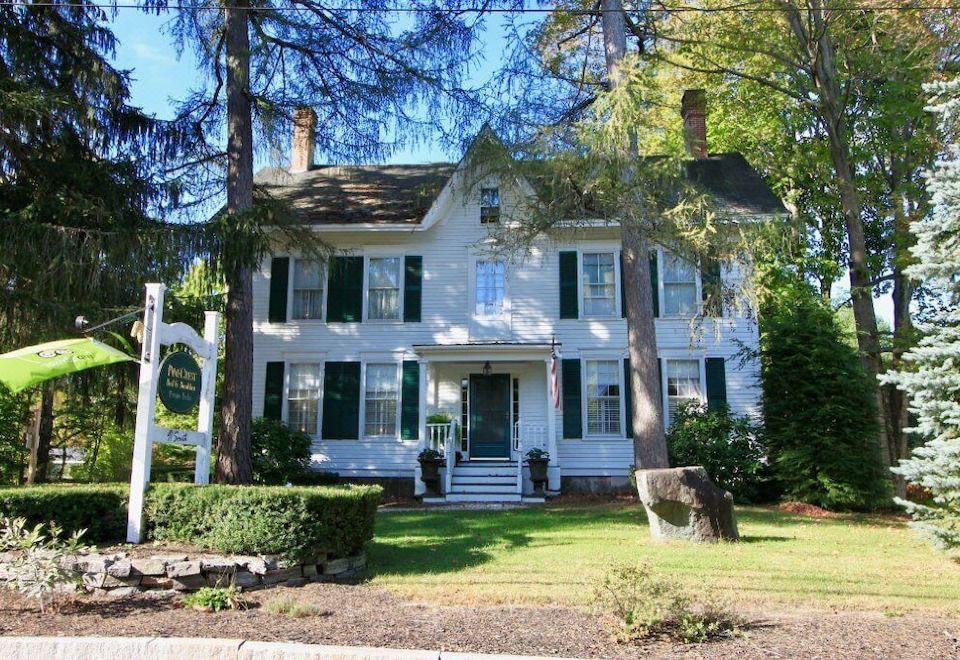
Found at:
<point>743,7</point>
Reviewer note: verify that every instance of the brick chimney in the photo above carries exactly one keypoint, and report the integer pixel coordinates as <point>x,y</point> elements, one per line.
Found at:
<point>693,109</point>
<point>304,137</point>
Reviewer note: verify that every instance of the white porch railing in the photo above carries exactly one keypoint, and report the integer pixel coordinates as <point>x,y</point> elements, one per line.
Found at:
<point>443,438</point>
<point>437,435</point>
<point>525,438</point>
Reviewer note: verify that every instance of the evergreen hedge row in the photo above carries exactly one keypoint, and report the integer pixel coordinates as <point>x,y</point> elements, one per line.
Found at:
<point>296,523</point>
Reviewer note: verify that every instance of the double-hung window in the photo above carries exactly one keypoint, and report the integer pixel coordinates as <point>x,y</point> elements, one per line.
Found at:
<point>679,286</point>
<point>303,398</point>
<point>307,289</point>
<point>491,288</point>
<point>489,205</point>
<point>603,397</point>
<point>683,384</point>
<point>383,288</point>
<point>381,396</point>
<point>599,284</point>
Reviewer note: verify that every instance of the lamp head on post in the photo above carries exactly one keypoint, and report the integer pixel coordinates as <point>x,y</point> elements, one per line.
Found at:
<point>487,369</point>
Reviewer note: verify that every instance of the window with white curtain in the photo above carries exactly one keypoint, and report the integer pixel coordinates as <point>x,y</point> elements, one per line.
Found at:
<point>683,384</point>
<point>383,288</point>
<point>489,205</point>
<point>679,286</point>
<point>381,397</point>
<point>303,398</point>
<point>307,289</point>
<point>491,287</point>
<point>603,397</point>
<point>599,284</point>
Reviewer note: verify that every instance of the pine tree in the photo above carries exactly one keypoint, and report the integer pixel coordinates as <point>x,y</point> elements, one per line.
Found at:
<point>934,382</point>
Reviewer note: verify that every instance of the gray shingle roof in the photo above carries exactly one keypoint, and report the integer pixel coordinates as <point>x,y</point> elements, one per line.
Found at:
<point>402,194</point>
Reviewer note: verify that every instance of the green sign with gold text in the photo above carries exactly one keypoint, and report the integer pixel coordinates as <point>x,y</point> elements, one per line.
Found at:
<point>180,381</point>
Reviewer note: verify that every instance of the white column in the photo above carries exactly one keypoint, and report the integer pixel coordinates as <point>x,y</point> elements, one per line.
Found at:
<point>418,486</point>
<point>553,471</point>
<point>211,329</point>
<point>146,400</point>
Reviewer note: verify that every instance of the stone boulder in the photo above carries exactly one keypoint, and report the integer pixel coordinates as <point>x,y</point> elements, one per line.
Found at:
<point>682,503</point>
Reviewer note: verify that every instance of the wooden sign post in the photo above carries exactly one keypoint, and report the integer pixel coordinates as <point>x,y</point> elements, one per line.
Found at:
<point>182,384</point>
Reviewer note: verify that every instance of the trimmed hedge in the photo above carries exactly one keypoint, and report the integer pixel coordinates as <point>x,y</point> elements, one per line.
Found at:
<point>101,509</point>
<point>297,523</point>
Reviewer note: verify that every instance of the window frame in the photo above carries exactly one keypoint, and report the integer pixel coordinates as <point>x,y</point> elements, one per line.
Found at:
<point>505,306</point>
<point>661,288</point>
<point>665,381</point>
<point>498,207</point>
<point>617,288</point>
<point>291,288</point>
<point>617,360</point>
<point>363,404</point>
<point>375,254</point>
<point>289,363</point>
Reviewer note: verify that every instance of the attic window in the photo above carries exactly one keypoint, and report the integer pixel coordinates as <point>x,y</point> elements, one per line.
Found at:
<point>489,205</point>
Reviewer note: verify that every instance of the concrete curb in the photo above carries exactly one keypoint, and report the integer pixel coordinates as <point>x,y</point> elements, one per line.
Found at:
<point>198,648</point>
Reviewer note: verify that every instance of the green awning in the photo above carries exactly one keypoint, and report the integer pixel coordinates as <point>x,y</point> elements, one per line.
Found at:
<point>28,366</point>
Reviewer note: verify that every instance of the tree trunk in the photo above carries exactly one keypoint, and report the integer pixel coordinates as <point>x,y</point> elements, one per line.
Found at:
<point>41,465</point>
<point>233,447</point>
<point>649,441</point>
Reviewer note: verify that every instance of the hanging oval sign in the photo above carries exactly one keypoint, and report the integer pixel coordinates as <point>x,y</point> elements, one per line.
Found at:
<point>179,382</point>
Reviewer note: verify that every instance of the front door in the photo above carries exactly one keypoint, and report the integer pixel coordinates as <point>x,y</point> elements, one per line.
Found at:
<point>490,416</point>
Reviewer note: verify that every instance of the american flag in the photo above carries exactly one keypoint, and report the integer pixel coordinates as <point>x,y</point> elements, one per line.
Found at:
<point>554,380</point>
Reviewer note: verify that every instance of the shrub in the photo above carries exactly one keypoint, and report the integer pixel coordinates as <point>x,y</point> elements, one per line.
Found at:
<point>295,522</point>
<point>316,478</point>
<point>644,606</point>
<point>280,454</point>
<point>727,446</point>
<point>215,599</point>
<point>39,570</point>
<point>820,409</point>
<point>292,607</point>
<point>100,509</point>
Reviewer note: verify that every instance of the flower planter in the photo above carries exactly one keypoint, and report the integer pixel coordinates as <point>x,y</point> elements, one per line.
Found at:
<point>538,473</point>
<point>430,474</point>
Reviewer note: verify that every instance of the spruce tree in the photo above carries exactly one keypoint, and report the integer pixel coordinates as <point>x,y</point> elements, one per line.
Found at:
<point>934,381</point>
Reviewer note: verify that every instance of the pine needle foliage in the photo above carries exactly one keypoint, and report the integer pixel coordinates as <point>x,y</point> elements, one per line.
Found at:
<point>819,408</point>
<point>932,373</point>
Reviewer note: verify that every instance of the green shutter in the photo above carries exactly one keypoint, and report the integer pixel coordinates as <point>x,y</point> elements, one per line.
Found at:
<point>660,388</point>
<point>572,418</point>
<point>410,401</point>
<point>716,383</point>
<point>345,291</point>
<point>655,282</point>
<point>279,282</point>
<point>341,401</point>
<point>623,290</point>
<point>412,288</point>
<point>627,398</point>
<point>273,391</point>
<point>569,305</point>
<point>710,287</point>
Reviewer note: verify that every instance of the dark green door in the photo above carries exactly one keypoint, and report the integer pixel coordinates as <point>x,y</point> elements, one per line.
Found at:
<point>490,416</point>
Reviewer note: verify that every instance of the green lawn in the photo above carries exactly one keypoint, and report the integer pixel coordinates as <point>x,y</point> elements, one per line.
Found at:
<point>551,555</point>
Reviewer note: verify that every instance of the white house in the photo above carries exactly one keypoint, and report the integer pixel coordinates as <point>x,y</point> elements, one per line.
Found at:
<point>414,316</point>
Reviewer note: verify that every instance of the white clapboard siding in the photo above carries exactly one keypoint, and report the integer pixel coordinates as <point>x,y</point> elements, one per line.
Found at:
<point>447,249</point>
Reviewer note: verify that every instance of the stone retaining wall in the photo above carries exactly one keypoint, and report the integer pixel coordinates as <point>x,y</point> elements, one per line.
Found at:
<point>118,574</point>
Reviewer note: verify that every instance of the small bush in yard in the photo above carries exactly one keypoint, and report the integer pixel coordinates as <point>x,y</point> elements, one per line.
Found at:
<point>100,509</point>
<point>727,446</point>
<point>646,606</point>
<point>39,570</point>
<point>280,454</point>
<point>292,607</point>
<point>215,599</point>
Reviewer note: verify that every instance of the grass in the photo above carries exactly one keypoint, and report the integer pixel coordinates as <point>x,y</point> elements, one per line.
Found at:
<point>553,554</point>
<point>292,607</point>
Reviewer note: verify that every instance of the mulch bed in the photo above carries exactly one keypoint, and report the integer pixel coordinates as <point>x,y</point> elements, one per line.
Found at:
<point>362,615</point>
<point>804,509</point>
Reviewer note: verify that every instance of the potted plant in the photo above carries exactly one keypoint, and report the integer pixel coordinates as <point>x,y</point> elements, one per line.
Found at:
<point>537,460</point>
<point>430,462</point>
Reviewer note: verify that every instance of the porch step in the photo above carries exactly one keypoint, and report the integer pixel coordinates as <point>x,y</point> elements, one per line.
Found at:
<point>483,497</point>
<point>475,487</point>
<point>501,479</point>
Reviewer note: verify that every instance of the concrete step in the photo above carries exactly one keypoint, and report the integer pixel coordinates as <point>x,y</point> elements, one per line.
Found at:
<point>506,489</point>
<point>485,470</point>
<point>483,497</point>
<point>505,479</point>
